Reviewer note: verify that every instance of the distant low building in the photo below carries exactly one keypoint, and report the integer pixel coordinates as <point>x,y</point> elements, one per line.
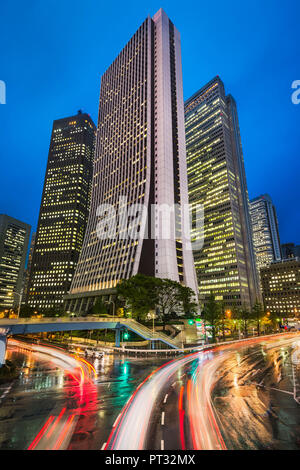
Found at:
<point>281,287</point>
<point>14,238</point>
<point>290,250</point>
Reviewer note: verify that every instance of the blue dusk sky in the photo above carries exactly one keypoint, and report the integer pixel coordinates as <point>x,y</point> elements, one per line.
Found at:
<point>53,53</point>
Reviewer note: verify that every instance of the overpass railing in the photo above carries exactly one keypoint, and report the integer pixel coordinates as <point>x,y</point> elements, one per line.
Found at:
<point>135,326</point>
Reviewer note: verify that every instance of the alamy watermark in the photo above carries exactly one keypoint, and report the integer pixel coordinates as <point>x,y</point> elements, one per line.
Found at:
<point>184,223</point>
<point>296,94</point>
<point>2,92</point>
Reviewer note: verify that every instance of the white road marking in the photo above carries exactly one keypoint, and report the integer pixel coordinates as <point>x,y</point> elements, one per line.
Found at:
<point>104,444</point>
<point>273,388</point>
<point>162,445</point>
<point>165,399</point>
<point>5,392</point>
<point>116,420</point>
<point>163,418</point>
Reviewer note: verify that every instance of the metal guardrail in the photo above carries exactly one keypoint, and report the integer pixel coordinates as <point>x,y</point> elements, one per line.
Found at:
<point>202,347</point>
<point>20,321</point>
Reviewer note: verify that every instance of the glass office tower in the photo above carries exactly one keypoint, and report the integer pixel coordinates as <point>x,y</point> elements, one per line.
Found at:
<point>14,238</point>
<point>63,212</point>
<point>225,265</point>
<point>140,157</point>
<point>265,230</point>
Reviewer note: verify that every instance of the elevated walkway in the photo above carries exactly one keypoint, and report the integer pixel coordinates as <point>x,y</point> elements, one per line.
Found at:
<point>29,326</point>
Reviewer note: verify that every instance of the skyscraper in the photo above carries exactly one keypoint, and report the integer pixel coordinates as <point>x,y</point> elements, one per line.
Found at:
<point>265,230</point>
<point>225,265</point>
<point>281,286</point>
<point>28,268</point>
<point>14,238</point>
<point>63,212</point>
<point>140,156</point>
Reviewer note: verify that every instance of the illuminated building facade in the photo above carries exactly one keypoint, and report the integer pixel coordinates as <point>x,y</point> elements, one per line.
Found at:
<point>63,212</point>
<point>265,230</point>
<point>14,238</point>
<point>140,155</point>
<point>281,287</point>
<point>225,265</point>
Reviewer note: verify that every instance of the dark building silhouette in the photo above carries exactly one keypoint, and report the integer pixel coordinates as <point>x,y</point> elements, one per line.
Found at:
<point>290,250</point>
<point>28,268</point>
<point>63,212</point>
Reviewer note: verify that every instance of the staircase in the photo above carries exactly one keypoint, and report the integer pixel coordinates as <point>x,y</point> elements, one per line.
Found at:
<point>148,334</point>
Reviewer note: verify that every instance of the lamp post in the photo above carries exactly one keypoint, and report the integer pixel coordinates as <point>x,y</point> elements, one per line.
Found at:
<point>10,294</point>
<point>153,316</point>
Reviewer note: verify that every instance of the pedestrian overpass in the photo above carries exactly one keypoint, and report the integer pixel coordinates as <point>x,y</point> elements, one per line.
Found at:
<point>23,326</point>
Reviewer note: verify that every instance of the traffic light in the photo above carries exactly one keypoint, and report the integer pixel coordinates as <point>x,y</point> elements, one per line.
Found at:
<point>190,322</point>
<point>126,335</point>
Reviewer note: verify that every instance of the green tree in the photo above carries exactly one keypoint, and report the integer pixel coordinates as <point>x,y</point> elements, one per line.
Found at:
<point>212,314</point>
<point>271,321</point>
<point>186,297</point>
<point>26,311</point>
<point>257,315</point>
<point>138,294</point>
<point>100,308</point>
<point>141,293</point>
<point>245,316</point>
<point>225,320</point>
<point>54,312</point>
<point>167,296</point>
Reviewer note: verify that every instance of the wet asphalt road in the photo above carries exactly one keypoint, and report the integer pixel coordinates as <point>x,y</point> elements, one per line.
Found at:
<point>44,389</point>
<point>242,397</point>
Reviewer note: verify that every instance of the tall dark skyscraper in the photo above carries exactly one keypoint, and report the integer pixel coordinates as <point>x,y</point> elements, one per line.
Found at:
<point>140,155</point>
<point>225,265</point>
<point>14,238</point>
<point>63,212</point>
<point>28,268</point>
<point>265,230</point>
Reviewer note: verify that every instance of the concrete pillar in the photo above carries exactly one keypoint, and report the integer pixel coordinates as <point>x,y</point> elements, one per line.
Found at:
<point>118,336</point>
<point>3,340</point>
<point>80,306</point>
<point>75,306</point>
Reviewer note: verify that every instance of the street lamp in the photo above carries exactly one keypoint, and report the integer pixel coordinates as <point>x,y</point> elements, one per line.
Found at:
<point>295,311</point>
<point>10,294</point>
<point>153,316</point>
